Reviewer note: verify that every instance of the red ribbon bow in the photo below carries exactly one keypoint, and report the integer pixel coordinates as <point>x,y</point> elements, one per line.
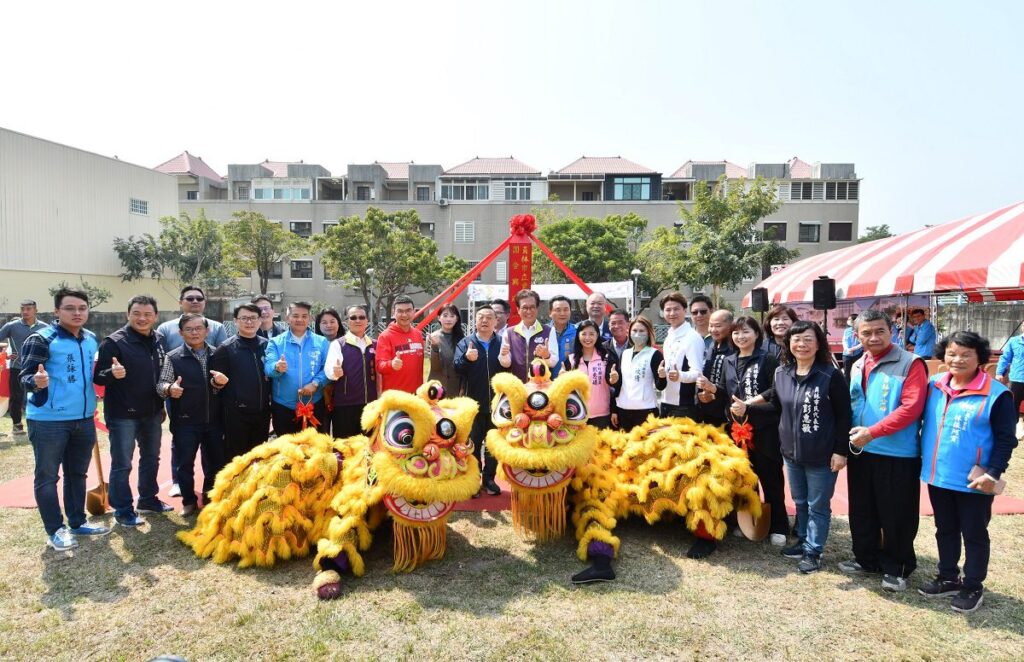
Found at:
<point>304,413</point>
<point>742,434</point>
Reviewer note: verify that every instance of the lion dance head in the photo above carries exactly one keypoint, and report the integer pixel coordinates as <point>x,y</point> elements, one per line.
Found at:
<point>541,438</point>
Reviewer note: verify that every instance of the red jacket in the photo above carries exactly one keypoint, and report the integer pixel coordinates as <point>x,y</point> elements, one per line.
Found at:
<point>407,345</point>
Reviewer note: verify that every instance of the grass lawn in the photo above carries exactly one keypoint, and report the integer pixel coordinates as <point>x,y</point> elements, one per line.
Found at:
<point>137,594</point>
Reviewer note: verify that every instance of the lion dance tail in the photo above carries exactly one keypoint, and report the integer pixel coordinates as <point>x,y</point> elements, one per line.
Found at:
<point>272,503</point>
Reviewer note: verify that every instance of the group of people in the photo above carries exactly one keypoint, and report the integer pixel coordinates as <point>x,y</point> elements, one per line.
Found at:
<point>773,385</point>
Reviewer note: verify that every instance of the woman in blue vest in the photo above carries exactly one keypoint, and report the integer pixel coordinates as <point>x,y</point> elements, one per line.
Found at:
<point>813,401</point>
<point>967,438</point>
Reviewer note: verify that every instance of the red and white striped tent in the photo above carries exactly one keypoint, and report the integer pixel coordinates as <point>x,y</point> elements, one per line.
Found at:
<point>981,256</point>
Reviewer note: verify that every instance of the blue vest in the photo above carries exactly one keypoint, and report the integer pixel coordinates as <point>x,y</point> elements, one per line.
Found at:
<point>885,388</point>
<point>957,433</point>
<point>70,395</point>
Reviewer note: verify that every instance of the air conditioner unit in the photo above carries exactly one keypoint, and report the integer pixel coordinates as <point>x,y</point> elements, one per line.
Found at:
<point>442,202</point>
<point>275,297</point>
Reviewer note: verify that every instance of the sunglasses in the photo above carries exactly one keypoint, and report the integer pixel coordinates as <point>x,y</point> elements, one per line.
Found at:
<point>194,299</point>
<point>356,318</point>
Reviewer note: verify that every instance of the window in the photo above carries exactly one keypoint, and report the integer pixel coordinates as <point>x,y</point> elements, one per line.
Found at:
<point>327,275</point>
<point>517,190</point>
<point>587,196</point>
<point>191,195</point>
<point>841,190</point>
<point>632,188</point>
<point>137,206</point>
<point>263,194</point>
<point>852,190</point>
<point>279,194</point>
<point>329,224</point>
<point>840,231</point>
<point>300,194</point>
<point>810,233</point>
<point>302,228</point>
<point>501,267</point>
<point>422,193</point>
<point>302,268</point>
<point>363,193</point>
<point>775,231</point>
<point>800,191</point>
<point>243,192</point>
<point>465,232</point>
<point>469,189</point>
<point>479,276</point>
<point>276,270</point>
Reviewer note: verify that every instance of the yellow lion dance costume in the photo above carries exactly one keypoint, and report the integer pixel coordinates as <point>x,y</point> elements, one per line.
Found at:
<point>287,495</point>
<point>664,467</point>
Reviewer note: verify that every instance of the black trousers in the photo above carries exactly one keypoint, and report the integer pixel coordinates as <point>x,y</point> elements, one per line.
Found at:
<point>885,499</point>
<point>488,463</point>
<point>243,431</point>
<point>680,411</point>
<point>345,421</point>
<point>285,423</point>
<point>601,422</point>
<point>769,474</point>
<point>17,398</point>
<point>1016,389</point>
<point>962,516</point>
<point>630,418</point>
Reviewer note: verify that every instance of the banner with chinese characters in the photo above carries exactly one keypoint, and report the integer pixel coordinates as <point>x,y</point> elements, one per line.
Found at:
<point>520,273</point>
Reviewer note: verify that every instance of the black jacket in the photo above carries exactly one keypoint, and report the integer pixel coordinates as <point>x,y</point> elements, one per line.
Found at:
<point>479,373</point>
<point>746,377</point>
<point>241,359</point>
<point>199,403</point>
<point>135,395</point>
<point>712,412</point>
<point>815,413</point>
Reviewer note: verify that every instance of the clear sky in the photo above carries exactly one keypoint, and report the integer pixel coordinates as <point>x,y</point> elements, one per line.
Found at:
<point>925,97</point>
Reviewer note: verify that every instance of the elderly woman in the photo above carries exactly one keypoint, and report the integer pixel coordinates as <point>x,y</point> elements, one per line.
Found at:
<point>813,401</point>
<point>966,441</point>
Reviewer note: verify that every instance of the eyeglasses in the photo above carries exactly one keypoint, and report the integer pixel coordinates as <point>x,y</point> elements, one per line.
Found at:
<point>193,329</point>
<point>194,299</point>
<point>700,312</point>
<point>356,318</point>
<point>248,319</point>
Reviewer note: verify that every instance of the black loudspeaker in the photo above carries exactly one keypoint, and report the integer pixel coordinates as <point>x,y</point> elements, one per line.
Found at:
<point>759,300</point>
<point>824,293</point>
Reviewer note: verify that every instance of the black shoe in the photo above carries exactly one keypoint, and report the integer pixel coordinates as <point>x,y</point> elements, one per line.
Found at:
<point>940,588</point>
<point>701,549</point>
<point>599,572</point>
<point>491,487</point>
<point>809,563</point>
<point>478,493</point>
<point>968,600</point>
<point>794,551</point>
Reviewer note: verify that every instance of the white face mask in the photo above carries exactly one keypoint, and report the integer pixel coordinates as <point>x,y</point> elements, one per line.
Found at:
<point>639,337</point>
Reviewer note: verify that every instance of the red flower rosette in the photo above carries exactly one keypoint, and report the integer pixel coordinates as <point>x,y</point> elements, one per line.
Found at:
<point>742,433</point>
<point>523,224</point>
<point>304,414</point>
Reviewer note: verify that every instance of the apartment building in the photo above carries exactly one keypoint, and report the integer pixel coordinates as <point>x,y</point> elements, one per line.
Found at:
<point>466,208</point>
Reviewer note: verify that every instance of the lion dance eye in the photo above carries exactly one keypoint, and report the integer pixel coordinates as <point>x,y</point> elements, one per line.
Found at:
<point>502,411</point>
<point>399,430</point>
<point>575,409</point>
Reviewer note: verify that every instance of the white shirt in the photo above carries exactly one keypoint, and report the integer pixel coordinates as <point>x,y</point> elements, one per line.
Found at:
<point>682,342</point>
<point>334,351</point>
<point>506,361</point>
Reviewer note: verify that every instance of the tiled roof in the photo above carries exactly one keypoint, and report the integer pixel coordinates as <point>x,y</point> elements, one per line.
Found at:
<point>799,169</point>
<point>279,168</point>
<point>493,166</point>
<point>395,170</point>
<point>186,164</point>
<point>732,171</point>
<point>602,165</point>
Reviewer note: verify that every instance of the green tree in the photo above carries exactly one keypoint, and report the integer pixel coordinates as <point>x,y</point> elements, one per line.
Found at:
<point>190,248</point>
<point>97,295</point>
<point>255,244</point>
<point>718,242</point>
<point>403,260</point>
<point>875,232</point>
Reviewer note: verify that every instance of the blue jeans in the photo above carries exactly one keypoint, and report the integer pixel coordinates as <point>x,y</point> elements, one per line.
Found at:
<point>55,444</point>
<point>188,439</point>
<point>811,488</point>
<point>124,433</point>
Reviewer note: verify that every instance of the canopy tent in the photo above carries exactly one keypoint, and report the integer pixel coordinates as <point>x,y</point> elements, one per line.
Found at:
<point>981,256</point>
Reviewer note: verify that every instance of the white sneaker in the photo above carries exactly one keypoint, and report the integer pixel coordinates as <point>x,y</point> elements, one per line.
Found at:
<point>738,533</point>
<point>175,491</point>
<point>63,540</point>
<point>778,539</point>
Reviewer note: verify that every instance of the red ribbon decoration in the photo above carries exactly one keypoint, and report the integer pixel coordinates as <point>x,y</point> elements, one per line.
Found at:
<point>742,434</point>
<point>304,413</point>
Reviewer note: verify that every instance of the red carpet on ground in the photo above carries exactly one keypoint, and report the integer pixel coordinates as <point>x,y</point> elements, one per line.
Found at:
<point>17,493</point>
